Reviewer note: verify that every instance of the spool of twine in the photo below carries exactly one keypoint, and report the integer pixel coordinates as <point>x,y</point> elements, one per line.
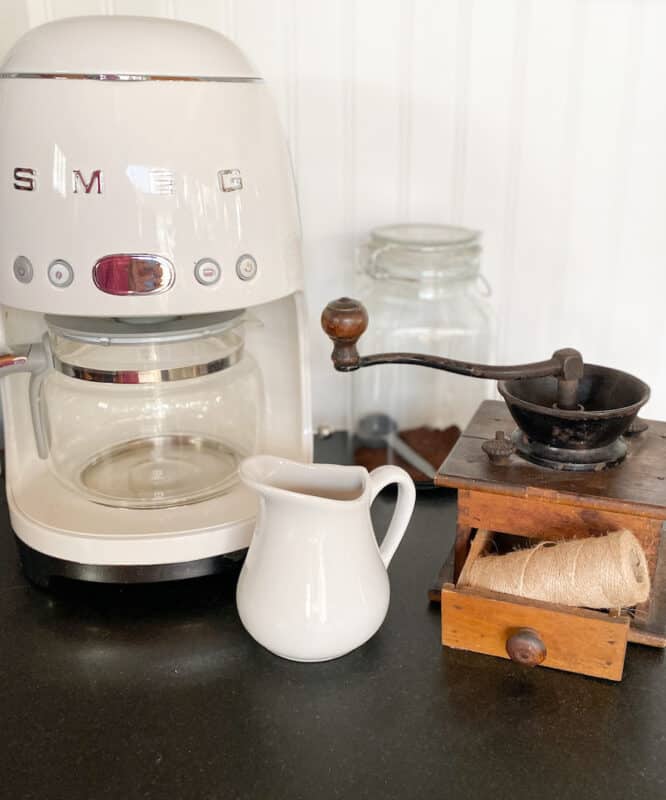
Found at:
<point>601,572</point>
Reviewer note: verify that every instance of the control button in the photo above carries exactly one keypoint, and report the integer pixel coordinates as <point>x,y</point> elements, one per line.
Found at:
<point>207,271</point>
<point>246,267</point>
<point>23,271</point>
<point>60,273</point>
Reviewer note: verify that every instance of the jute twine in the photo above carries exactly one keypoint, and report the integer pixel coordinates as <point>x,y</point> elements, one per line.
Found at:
<point>601,572</point>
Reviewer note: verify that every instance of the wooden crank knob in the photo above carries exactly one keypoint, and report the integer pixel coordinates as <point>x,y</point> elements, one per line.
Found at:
<point>526,647</point>
<point>344,321</point>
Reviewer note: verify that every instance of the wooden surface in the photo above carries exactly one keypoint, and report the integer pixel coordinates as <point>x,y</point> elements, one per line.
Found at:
<point>647,631</point>
<point>649,626</point>
<point>638,484</point>
<point>576,640</point>
<point>444,576</point>
<point>524,499</point>
<point>541,518</point>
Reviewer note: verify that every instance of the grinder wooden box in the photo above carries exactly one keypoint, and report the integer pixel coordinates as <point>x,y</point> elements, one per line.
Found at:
<point>523,499</point>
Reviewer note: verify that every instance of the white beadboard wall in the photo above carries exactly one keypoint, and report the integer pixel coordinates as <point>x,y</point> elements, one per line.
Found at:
<point>540,122</point>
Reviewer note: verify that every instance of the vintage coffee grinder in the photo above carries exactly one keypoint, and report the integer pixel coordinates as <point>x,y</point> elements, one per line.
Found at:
<point>580,463</point>
<point>152,298</point>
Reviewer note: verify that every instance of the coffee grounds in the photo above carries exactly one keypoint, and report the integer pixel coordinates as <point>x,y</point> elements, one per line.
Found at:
<point>434,444</point>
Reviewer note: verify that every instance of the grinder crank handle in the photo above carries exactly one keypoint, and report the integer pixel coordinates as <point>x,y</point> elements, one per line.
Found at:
<point>345,320</point>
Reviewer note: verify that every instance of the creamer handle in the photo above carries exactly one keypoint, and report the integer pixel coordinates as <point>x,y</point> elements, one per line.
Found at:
<point>379,478</point>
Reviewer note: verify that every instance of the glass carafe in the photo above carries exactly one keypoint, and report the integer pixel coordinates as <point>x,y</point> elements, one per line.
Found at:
<point>150,415</point>
<point>424,292</point>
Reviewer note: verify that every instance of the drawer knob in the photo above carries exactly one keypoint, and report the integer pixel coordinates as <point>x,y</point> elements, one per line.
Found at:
<point>526,647</point>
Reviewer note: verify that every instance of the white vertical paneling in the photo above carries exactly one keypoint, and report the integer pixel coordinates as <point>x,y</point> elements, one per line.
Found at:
<point>56,9</point>
<point>537,121</point>
<point>290,46</point>
<point>437,65</point>
<point>13,25</point>
<point>461,116</point>
<point>319,155</point>
<point>614,278</point>
<point>218,14</point>
<point>348,77</point>
<point>543,151</point>
<point>260,32</point>
<point>591,244</point>
<point>405,57</point>
<point>378,80</point>
<point>514,160</point>
<point>38,11</point>
<point>634,297</point>
<point>150,8</point>
<point>485,146</point>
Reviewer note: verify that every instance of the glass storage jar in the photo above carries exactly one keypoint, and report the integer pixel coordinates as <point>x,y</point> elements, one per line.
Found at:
<point>423,290</point>
<point>145,414</point>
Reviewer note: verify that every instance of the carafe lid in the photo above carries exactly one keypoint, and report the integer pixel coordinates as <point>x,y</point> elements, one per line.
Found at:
<point>111,331</point>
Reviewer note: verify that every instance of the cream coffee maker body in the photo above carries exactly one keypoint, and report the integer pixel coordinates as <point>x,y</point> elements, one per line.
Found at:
<point>152,306</point>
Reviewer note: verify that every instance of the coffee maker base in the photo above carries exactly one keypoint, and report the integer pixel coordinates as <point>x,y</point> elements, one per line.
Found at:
<point>41,569</point>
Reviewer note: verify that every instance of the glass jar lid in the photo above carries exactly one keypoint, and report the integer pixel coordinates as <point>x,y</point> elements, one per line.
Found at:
<point>422,252</point>
<point>420,236</point>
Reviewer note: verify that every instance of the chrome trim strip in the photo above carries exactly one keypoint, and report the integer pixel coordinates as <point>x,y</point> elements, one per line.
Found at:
<point>126,77</point>
<point>148,375</point>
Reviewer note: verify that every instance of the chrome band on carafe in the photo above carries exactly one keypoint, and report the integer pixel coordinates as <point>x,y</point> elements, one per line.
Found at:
<point>148,375</point>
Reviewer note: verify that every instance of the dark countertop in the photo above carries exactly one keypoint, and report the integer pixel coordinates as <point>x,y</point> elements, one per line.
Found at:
<point>157,692</point>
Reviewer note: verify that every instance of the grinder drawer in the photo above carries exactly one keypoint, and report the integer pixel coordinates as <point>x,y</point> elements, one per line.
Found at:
<point>560,637</point>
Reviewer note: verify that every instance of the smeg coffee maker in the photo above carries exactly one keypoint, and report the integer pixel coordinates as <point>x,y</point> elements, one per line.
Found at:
<point>152,306</point>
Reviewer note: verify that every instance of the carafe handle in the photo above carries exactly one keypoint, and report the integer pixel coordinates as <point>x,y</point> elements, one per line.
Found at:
<point>36,360</point>
<point>379,478</point>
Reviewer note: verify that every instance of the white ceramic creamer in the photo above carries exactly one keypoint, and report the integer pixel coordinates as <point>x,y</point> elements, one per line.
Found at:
<point>314,584</point>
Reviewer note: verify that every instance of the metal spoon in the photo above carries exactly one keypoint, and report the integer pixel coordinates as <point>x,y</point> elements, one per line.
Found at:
<point>378,430</point>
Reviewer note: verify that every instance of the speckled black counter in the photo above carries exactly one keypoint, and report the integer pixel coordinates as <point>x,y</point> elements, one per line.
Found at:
<point>157,692</point>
